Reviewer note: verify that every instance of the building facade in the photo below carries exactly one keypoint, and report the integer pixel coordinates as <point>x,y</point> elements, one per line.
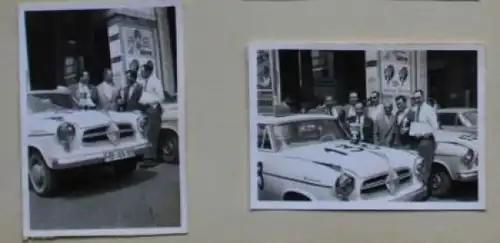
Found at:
<point>62,44</point>
<point>449,77</point>
<point>142,35</point>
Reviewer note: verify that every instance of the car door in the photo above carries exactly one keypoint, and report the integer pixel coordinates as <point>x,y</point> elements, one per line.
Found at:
<point>266,160</point>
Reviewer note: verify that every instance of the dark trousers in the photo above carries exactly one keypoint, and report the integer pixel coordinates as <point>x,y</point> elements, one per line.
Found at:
<point>153,131</point>
<point>426,148</point>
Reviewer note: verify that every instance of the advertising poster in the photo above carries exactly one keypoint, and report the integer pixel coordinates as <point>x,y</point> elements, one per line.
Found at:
<point>139,46</point>
<point>264,81</point>
<point>396,76</point>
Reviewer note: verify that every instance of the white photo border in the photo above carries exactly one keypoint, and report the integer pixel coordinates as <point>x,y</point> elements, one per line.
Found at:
<point>256,204</point>
<point>23,76</point>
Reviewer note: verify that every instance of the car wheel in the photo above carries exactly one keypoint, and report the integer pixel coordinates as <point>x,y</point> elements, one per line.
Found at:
<point>291,196</point>
<point>125,168</point>
<point>42,179</point>
<point>441,182</point>
<point>169,147</point>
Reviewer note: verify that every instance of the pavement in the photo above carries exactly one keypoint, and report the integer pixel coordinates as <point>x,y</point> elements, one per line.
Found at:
<point>464,192</point>
<point>97,199</point>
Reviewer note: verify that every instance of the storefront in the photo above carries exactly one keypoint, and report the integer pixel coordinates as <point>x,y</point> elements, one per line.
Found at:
<point>61,44</point>
<point>143,35</point>
<point>449,77</point>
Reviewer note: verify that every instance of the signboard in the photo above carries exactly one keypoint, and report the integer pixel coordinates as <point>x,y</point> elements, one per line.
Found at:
<point>396,76</point>
<point>138,46</point>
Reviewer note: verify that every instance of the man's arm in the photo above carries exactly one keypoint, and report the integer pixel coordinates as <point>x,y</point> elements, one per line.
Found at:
<point>376,133</point>
<point>432,118</point>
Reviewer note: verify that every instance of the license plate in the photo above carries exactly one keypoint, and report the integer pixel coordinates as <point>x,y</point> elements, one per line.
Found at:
<point>118,155</point>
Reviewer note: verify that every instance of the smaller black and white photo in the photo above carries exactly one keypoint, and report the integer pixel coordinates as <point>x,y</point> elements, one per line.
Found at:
<point>366,126</point>
<point>102,131</point>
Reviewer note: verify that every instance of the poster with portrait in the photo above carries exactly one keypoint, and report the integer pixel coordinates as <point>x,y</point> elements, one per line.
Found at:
<point>264,70</point>
<point>396,78</point>
<point>139,46</point>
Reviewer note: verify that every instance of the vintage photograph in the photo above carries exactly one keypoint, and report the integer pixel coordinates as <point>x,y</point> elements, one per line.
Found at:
<point>366,126</point>
<point>101,110</point>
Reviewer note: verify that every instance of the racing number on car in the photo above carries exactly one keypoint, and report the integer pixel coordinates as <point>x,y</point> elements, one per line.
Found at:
<point>468,137</point>
<point>260,176</point>
<point>359,148</point>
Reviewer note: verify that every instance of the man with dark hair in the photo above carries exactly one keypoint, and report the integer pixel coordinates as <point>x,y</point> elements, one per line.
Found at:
<point>131,93</point>
<point>152,88</point>
<point>85,94</point>
<point>399,137</point>
<point>348,110</point>
<point>375,108</point>
<point>424,115</point>
<point>108,91</point>
<point>362,125</point>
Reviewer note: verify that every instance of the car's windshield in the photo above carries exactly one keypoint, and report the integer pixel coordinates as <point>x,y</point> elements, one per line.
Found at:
<point>49,101</point>
<point>299,133</point>
<point>170,98</point>
<point>471,116</point>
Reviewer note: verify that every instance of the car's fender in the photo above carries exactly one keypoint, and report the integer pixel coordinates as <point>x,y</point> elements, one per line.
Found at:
<point>298,191</point>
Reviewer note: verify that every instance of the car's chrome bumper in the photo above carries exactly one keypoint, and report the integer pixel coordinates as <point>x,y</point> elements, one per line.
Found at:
<point>412,196</point>
<point>98,157</point>
<point>467,175</point>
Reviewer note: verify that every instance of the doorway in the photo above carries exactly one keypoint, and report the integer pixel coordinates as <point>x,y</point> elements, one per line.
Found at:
<point>54,35</point>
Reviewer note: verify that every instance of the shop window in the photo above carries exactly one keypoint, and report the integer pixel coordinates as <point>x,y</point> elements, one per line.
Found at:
<point>448,119</point>
<point>322,65</point>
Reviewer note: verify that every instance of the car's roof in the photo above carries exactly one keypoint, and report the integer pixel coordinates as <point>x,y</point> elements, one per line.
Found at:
<point>270,120</point>
<point>455,110</point>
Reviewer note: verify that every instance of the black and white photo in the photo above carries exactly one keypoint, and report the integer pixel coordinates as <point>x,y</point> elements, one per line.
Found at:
<point>102,132</point>
<point>366,126</point>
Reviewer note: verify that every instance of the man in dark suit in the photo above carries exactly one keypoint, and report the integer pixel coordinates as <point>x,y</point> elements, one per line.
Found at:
<point>85,95</point>
<point>361,125</point>
<point>131,93</point>
<point>385,125</point>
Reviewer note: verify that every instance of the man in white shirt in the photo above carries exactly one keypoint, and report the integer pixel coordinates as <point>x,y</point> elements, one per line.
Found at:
<point>423,113</point>
<point>376,108</point>
<point>348,110</point>
<point>84,94</point>
<point>108,91</point>
<point>152,88</point>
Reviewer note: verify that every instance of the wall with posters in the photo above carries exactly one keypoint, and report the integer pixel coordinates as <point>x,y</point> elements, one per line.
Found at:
<point>135,35</point>
<point>394,73</point>
<point>268,81</point>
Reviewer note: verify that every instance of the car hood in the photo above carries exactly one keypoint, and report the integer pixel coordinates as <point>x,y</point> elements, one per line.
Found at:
<point>465,139</point>
<point>363,162</point>
<point>169,110</point>
<point>82,118</point>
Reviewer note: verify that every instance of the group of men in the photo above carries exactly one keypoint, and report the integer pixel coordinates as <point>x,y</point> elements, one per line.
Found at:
<point>381,124</point>
<point>141,82</point>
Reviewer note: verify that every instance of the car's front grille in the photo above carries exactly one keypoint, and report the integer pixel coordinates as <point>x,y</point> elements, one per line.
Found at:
<point>98,134</point>
<point>376,184</point>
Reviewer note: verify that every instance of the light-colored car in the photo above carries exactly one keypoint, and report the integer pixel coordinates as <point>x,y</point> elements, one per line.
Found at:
<point>61,137</point>
<point>458,119</point>
<point>308,157</point>
<point>169,135</point>
<point>456,159</point>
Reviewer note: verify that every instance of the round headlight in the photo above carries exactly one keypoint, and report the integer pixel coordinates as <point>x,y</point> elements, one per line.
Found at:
<point>142,122</point>
<point>418,168</point>
<point>344,186</point>
<point>66,132</point>
<point>65,135</point>
<point>468,158</point>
